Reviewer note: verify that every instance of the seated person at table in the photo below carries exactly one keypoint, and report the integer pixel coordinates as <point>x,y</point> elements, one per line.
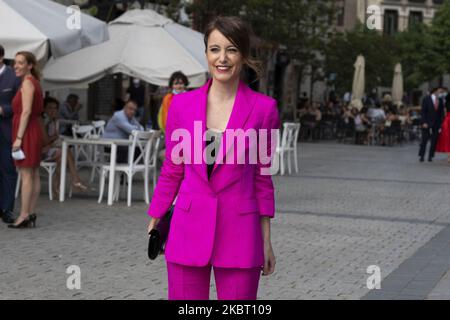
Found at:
<point>69,111</point>
<point>310,117</point>
<point>404,116</point>
<point>362,125</point>
<point>391,115</point>
<point>52,151</point>
<point>121,125</point>
<point>377,114</point>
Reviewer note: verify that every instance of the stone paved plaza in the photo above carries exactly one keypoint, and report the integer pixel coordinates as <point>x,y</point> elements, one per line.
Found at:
<point>349,207</point>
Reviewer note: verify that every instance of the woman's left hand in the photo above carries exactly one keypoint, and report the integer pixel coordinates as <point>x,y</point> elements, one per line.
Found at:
<point>269,259</point>
<point>16,145</point>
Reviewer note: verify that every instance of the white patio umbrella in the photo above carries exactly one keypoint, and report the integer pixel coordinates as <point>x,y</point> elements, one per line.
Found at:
<point>143,44</point>
<point>397,85</point>
<point>40,26</point>
<point>358,81</point>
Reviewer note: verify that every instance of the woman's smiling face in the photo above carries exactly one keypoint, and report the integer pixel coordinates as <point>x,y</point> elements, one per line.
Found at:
<point>21,66</point>
<point>224,59</point>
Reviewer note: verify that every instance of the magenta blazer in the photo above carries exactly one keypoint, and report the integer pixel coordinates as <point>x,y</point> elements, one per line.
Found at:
<point>216,221</point>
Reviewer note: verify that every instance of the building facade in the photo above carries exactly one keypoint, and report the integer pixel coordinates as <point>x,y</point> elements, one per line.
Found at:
<point>395,15</point>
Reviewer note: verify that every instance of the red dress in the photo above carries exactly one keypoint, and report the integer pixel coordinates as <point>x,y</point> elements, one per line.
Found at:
<point>443,144</point>
<point>33,136</point>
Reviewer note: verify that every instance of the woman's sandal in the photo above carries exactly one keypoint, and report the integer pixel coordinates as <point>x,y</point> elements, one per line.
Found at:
<point>80,186</point>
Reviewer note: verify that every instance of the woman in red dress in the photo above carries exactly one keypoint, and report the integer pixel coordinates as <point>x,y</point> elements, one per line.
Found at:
<point>443,144</point>
<point>27,135</point>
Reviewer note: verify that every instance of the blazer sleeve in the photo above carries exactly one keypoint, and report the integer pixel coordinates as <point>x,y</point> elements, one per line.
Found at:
<point>172,172</point>
<point>265,193</point>
<point>7,111</point>
<point>7,107</point>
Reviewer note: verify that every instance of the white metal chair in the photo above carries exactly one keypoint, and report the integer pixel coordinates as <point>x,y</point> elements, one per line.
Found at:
<point>50,167</point>
<point>144,163</point>
<point>153,163</point>
<point>99,127</point>
<point>288,146</point>
<point>98,154</point>
<point>83,154</point>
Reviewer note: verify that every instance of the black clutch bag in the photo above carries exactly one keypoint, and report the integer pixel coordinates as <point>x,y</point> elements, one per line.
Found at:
<point>158,235</point>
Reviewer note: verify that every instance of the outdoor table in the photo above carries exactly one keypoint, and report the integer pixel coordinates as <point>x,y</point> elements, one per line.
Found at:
<point>113,143</point>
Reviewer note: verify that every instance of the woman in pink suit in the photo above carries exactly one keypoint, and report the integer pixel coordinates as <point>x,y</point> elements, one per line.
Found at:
<point>223,208</point>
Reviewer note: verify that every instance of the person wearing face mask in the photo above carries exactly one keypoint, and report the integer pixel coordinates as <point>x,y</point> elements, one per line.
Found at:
<point>445,96</point>
<point>432,114</point>
<point>178,83</point>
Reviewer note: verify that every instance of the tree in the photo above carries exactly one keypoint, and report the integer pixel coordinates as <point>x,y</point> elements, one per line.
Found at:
<point>439,32</point>
<point>301,27</point>
<point>380,52</point>
<point>414,53</point>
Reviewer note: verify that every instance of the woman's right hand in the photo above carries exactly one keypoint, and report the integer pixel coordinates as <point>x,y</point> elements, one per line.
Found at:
<point>17,145</point>
<point>152,224</point>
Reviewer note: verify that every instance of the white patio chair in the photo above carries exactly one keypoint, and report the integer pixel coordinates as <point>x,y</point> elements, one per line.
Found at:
<point>83,154</point>
<point>144,163</point>
<point>99,127</point>
<point>98,152</point>
<point>288,146</point>
<point>153,162</point>
<point>50,168</point>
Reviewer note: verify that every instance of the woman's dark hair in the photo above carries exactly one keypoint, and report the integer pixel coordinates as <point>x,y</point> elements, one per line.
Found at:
<point>178,75</point>
<point>2,51</point>
<point>31,59</point>
<point>238,33</point>
<point>72,97</point>
<point>49,100</point>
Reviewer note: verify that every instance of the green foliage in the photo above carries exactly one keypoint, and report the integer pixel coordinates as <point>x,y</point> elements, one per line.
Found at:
<point>301,26</point>
<point>378,50</point>
<point>414,52</point>
<point>423,51</point>
<point>439,34</point>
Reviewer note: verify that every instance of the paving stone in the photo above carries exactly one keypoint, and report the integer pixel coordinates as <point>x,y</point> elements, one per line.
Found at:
<point>349,207</point>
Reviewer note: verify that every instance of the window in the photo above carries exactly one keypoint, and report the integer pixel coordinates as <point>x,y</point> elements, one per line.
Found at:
<point>415,17</point>
<point>390,22</point>
<point>340,16</point>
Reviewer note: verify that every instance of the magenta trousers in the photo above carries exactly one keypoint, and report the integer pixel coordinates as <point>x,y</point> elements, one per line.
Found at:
<point>193,283</point>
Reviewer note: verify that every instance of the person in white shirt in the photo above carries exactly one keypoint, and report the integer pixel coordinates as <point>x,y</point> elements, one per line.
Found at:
<point>121,125</point>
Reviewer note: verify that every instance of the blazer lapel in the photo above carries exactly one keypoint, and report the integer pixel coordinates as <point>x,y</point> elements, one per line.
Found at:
<point>200,116</point>
<point>243,105</point>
